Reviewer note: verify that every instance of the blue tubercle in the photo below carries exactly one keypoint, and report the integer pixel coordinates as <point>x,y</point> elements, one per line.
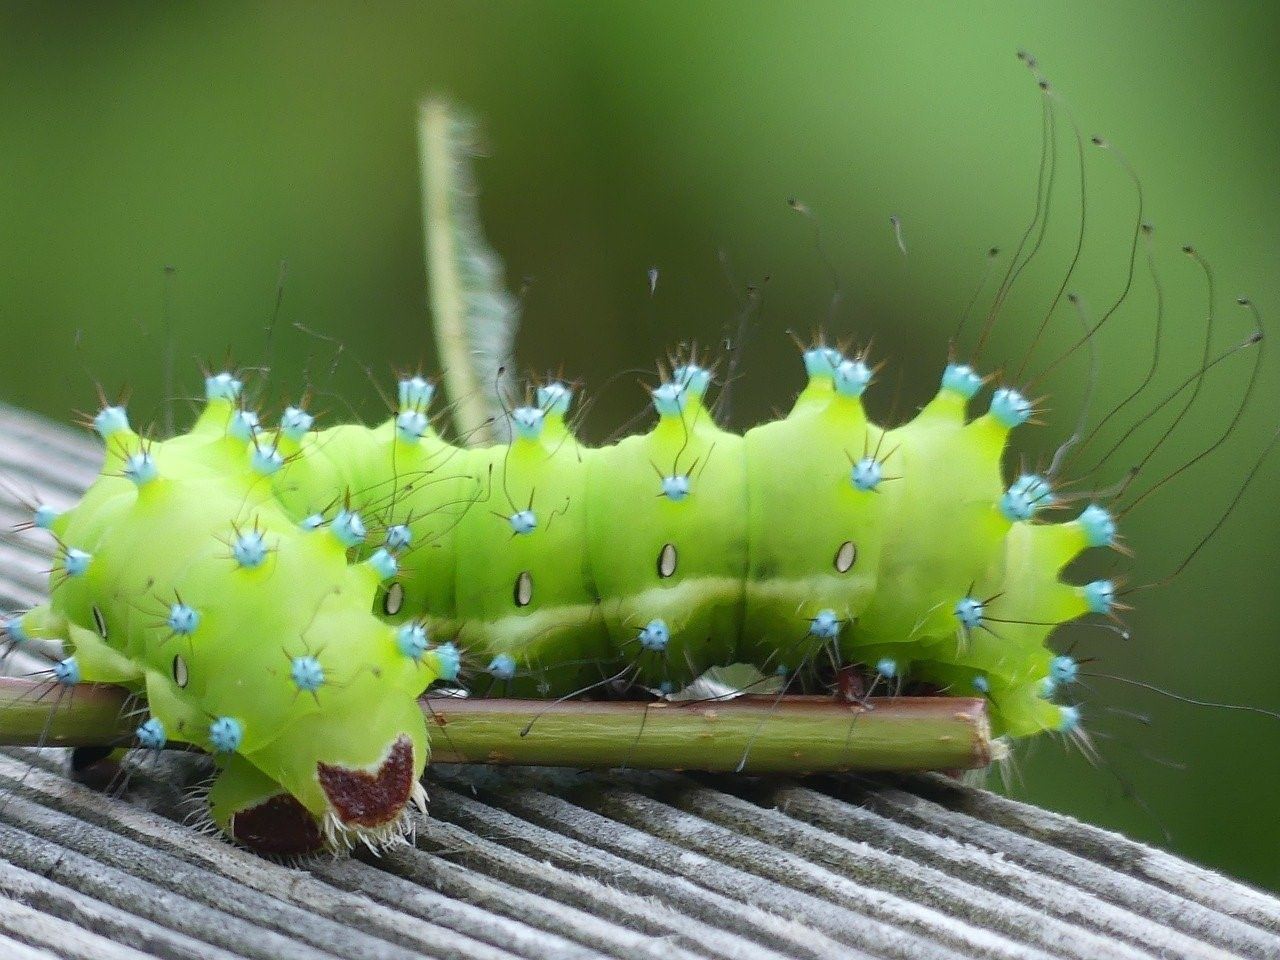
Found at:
<point>307,674</point>
<point>76,561</point>
<point>348,528</point>
<point>110,421</point>
<point>555,398</point>
<point>448,661</point>
<point>1010,408</point>
<point>969,612</point>
<point>1025,496</point>
<point>887,667</point>
<point>1048,688</point>
<point>669,399</point>
<point>411,425</point>
<point>151,734</point>
<point>655,636</point>
<point>295,423</point>
<point>414,393</point>
<point>14,631</point>
<point>676,487</point>
<point>249,549</point>
<point>867,474</point>
<point>399,536</point>
<point>45,515</point>
<point>523,521</point>
<point>852,378</point>
<point>822,361</point>
<point>693,378</point>
<point>1068,719</point>
<point>222,386</point>
<point>825,625</point>
<point>312,521</point>
<point>183,619</point>
<point>962,379</point>
<point>67,672</point>
<point>528,422</point>
<point>412,640</point>
<point>1098,525</point>
<point>384,563</point>
<point>243,425</point>
<point>502,667</point>
<point>1100,595</point>
<point>265,460</point>
<point>1063,670</point>
<point>141,467</point>
<point>226,734</point>
<point>981,684</point>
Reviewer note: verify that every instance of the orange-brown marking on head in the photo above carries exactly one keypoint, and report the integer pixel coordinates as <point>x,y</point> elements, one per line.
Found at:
<point>280,827</point>
<point>371,799</point>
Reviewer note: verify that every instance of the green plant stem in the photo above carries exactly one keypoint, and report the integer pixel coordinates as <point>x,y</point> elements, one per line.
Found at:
<point>786,735</point>
<point>40,714</point>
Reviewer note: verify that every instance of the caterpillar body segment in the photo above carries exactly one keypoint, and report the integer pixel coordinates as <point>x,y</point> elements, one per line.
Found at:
<point>281,597</point>
<point>667,542</point>
<point>526,603</point>
<point>814,536</point>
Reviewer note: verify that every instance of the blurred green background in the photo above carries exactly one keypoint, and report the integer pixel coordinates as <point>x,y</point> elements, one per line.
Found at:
<point>221,139</point>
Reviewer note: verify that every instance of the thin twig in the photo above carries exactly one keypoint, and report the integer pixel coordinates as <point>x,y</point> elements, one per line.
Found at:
<point>806,734</point>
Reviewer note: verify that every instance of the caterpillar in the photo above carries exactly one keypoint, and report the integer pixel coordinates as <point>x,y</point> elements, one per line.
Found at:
<point>280,596</point>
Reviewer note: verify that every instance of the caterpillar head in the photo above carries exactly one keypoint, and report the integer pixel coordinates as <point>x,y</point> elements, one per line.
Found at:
<point>181,576</point>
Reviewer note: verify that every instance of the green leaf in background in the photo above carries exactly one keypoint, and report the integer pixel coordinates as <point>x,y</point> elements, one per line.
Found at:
<point>474,318</point>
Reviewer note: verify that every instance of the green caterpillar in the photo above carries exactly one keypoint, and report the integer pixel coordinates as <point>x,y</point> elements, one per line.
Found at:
<point>281,597</point>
